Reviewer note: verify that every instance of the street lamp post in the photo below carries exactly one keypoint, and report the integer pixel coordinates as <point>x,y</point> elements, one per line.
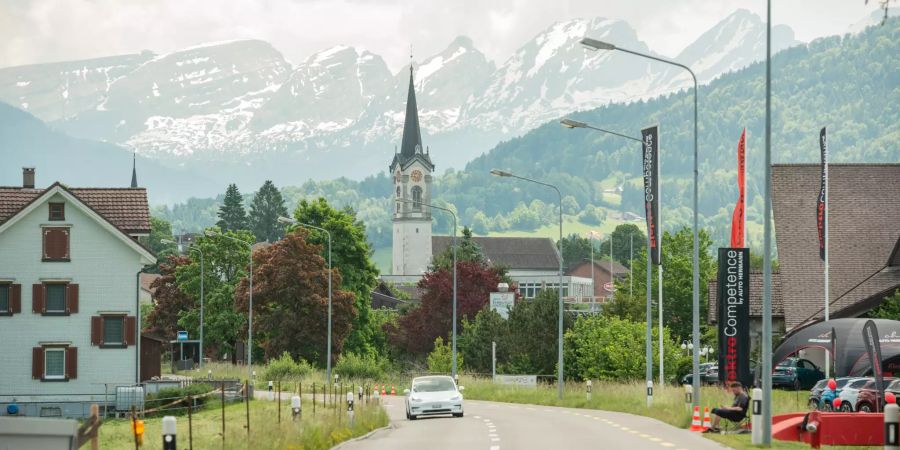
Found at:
<point>560,371</point>
<point>202,276</point>
<point>594,44</point>
<point>249,245</point>
<point>289,221</point>
<point>452,214</point>
<point>591,235</point>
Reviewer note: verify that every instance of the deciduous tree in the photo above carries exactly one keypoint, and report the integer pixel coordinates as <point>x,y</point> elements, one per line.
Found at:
<point>169,301</point>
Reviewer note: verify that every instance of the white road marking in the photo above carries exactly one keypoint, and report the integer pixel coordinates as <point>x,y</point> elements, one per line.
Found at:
<point>655,439</point>
<point>625,428</point>
<point>495,439</point>
<point>493,435</point>
<point>495,447</point>
<point>487,420</point>
<point>667,444</point>
<point>476,417</point>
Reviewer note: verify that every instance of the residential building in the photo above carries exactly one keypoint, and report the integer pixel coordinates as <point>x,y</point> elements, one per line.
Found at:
<point>602,281</point>
<point>72,258</point>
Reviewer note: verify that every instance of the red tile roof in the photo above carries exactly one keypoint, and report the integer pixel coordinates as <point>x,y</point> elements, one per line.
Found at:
<point>126,208</point>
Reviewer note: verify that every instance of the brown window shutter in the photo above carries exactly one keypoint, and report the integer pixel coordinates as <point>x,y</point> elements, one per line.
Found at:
<point>37,298</point>
<point>96,330</point>
<point>71,363</point>
<point>37,363</point>
<point>72,298</point>
<point>15,298</point>
<point>130,330</point>
<point>56,243</point>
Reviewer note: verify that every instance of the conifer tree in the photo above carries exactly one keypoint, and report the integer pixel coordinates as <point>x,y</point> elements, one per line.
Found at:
<point>267,207</point>
<point>232,216</point>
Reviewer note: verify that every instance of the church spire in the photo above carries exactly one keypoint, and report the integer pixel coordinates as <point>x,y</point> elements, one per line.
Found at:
<point>134,170</point>
<point>412,136</point>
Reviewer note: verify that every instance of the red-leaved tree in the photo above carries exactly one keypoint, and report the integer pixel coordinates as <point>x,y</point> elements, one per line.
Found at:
<point>168,300</point>
<point>290,300</point>
<point>416,331</point>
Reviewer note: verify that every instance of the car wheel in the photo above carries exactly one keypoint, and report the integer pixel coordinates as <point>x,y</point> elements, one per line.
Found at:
<point>813,405</point>
<point>845,407</point>
<point>865,407</point>
<point>412,417</point>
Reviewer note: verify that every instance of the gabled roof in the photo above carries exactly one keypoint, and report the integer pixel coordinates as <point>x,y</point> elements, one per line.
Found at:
<point>864,226</point>
<point>516,253</point>
<point>756,296</point>
<point>126,208</point>
<point>602,264</point>
<point>78,202</point>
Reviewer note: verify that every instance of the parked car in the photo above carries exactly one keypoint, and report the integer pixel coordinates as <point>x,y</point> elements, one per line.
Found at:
<point>434,395</point>
<point>796,373</point>
<point>815,394</point>
<point>894,387</point>
<point>868,396</point>
<point>709,374</point>
<point>827,396</point>
<point>850,393</point>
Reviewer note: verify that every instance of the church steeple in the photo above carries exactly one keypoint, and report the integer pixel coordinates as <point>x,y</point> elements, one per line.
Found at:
<point>134,170</point>
<point>412,135</point>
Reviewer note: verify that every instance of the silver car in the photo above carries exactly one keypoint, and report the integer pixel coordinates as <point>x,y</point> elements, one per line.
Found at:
<point>435,395</point>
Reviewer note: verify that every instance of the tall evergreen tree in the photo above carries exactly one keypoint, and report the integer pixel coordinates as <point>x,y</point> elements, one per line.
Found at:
<point>267,207</point>
<point>232,216</point>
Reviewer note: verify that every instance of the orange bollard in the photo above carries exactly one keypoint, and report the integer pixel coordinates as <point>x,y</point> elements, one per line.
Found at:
<point>695,420</point>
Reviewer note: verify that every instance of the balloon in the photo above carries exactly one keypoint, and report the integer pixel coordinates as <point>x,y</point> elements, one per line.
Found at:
<point>832,384</point>
<point>837,403</point>
<point>890,397</point>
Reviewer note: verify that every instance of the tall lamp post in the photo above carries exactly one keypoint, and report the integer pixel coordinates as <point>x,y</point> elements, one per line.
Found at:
<point>289,221</point>
<point>591,235</point>
<point>249,245</point>
<point>594,44</point>
<point>570,123</point>
<point>202,276</point>
<point>560,371</point>
<point>452,214</point>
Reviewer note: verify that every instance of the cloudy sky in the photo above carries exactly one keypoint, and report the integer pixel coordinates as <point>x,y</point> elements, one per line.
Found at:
<point>34,31</point>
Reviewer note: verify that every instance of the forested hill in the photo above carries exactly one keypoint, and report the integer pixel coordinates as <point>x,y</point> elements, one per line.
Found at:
<point>850,84</point>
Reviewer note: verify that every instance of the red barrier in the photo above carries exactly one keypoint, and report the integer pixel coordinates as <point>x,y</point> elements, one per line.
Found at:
<point>830,428</point>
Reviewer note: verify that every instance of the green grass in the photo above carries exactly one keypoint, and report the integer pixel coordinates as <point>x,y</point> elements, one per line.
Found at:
<point>322,431</point>
<point>668,403</point>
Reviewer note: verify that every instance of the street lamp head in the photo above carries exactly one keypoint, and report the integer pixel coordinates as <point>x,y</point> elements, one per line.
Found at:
<point>593,44</point>
<point>569,123</point>
<point>287,220</point>
<point>683,346</point>
<point>500,173</point>
<point>691,345</point>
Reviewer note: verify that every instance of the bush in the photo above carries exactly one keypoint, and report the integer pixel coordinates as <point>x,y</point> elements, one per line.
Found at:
<point>285,367</point>
<point>353,366</point>
<point>168,395</point>
<point>440,360</point>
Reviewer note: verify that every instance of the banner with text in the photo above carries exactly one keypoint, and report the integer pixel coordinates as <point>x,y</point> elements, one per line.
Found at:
<point>822,201</point>
<point>737,219</point>
<point>650,138</point>
<point>734,315</point>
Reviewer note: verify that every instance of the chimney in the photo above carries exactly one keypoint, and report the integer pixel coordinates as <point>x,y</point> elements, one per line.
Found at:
<point>28,177</point>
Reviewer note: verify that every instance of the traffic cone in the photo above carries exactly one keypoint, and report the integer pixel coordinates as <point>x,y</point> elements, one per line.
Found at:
<point>707,424</point>
<point>393,392</point>
<point>695,420</point>
<point>383,392</point>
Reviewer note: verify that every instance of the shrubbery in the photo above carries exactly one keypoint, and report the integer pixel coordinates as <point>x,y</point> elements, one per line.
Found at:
<point>168,395</point>
<point>353,366</point>
<point>440,360</point>
<point>284,367</point>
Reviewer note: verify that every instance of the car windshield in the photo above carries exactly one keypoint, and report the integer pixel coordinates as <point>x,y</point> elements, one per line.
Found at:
<point>895,385</point>
<point>434,385</point>
<point>858,384</point>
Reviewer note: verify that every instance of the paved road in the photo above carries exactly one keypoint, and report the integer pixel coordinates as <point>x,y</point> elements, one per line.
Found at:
<point>506,426</point>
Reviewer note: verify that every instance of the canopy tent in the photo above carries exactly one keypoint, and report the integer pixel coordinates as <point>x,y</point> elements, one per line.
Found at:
<point>849,352</point>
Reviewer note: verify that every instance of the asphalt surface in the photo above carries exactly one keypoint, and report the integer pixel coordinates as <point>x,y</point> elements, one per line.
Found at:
<point>507,426</point>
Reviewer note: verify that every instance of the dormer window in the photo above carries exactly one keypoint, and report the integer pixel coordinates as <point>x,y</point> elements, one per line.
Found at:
<point>57,211</point>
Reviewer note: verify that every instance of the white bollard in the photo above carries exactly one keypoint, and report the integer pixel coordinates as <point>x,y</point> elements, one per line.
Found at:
<point>360,393</point>
<point>376,395</point>
<point>271,392</point>
<point>169,430</point>
<point>649,393</point>
<point>590,386</point>
<point>296,407</point>
<point>891,425</point>
<point>756,436</point>
<point>350,407</point>
<point>688,397</point>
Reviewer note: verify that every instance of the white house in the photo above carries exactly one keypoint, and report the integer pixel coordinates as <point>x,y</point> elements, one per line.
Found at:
<point>70,262</point>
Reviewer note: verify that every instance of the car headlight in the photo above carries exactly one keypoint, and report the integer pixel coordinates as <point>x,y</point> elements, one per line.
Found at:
<point>415,399</point>
<point>456,398</point>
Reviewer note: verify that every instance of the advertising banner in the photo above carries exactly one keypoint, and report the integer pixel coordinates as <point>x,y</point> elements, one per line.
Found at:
<point>873,348</point>
<point>502,302</point>
<point>737,219</point>
<point>822,201</point>
<point>650,138</point>
<point>734,315</point>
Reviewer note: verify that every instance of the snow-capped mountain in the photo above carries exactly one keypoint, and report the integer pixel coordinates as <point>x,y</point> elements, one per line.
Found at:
<point>240,101</point>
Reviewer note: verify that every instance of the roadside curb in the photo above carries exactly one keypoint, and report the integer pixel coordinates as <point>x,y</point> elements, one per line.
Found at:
<point>363,437</point>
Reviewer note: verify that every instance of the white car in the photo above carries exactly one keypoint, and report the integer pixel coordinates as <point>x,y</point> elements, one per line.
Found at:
<point>850,393</point>
<point>435,395</point>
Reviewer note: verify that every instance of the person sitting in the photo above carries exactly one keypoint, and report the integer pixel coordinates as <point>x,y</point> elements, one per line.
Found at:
<point>736,412</point>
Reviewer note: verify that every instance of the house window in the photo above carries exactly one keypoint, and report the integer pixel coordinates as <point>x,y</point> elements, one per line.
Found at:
<point>54,363</point>
<point>4,298</point>
<point>417,197</point>
<point>57,211</point>
<point>113,330</point>
<point>398,191</point>
<point>56,298</point>
<point>56,244</point>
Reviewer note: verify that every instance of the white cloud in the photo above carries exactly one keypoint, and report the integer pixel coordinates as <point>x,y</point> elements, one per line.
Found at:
<point>34,31</point>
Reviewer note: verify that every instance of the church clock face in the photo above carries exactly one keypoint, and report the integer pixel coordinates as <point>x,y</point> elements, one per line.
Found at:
<point>416,176</point>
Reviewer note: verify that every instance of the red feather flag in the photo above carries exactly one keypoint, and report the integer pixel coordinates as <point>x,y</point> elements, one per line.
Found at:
<point>737,219</point>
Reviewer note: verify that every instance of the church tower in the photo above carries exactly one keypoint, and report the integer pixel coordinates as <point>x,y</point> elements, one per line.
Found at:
<point>411,172</point>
